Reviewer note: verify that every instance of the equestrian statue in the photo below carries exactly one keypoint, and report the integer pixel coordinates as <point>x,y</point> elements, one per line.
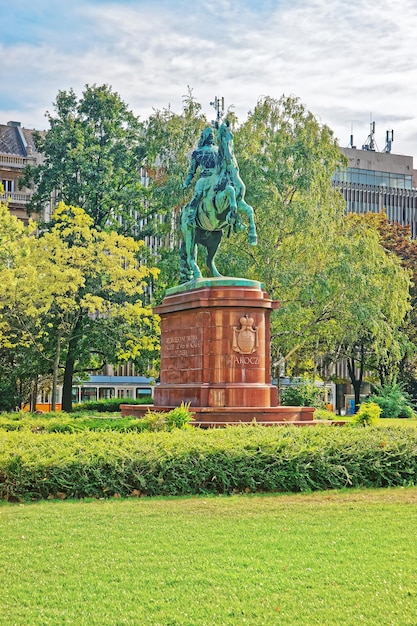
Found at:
<point>217,204</point>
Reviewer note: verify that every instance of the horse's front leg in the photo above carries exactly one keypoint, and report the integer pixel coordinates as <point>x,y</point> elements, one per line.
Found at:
<point>230,197</point>
<point>245,208</point>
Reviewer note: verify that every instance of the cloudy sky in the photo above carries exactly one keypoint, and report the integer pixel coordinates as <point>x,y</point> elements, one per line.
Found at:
<point>349,61</point>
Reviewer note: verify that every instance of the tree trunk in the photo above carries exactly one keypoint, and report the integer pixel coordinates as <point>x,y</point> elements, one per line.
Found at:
<point>356,382</point>
<point>69,367</point>
<point>67,386</point>
<point>34,395</point>
<point>55,372</point>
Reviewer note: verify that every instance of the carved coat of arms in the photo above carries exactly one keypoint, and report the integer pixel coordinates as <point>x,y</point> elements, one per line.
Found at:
<point>245,338</point>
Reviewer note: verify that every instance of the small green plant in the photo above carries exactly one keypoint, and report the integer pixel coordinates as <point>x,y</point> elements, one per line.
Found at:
<point>368,414</point>
<point>324,414</point>
<point>302,394</point>
<point>154,421</point>
<point>179,417</point>
<point>393,400</point>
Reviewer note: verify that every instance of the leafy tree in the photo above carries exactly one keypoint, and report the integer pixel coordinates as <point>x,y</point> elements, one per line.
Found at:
<point>21,362</point>
<point>73,295</point>
<point>376,292</point>
<point>169,139</point>
<point>287,160</point>
<point>332,277</point>
<point>93,154</point>
<point>396,239</point>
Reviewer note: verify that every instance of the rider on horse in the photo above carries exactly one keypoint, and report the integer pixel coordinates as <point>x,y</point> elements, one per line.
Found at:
<point>217,202</point>
<point>205,158</point>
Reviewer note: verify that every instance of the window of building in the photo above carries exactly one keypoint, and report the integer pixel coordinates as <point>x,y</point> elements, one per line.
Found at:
<point>106,393</point>
<point>88,393</point>
<point>8,185</point>
<point>355,175</point>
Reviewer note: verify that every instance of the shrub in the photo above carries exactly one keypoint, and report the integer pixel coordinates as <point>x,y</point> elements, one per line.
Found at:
<point>368,414</point>
<point>111,405</point>
<point>195,461</point>
<point>62,422</point>
<point>324,414</point>
<point>393,400</point>
<point>179,417</point>
<point>302,394</point>
<point>176,418</point>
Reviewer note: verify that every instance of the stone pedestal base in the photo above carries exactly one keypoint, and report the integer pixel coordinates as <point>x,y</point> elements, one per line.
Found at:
<point>215,356</point>
<point>217,417</point>
<point>215,346</point>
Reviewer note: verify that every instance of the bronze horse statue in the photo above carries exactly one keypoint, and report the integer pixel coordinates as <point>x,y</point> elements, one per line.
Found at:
<point>220,208</point>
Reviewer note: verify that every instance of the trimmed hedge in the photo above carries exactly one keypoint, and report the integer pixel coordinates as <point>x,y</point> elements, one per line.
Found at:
<point>65,423</point>
<point>111,405</point>
<point>69,423</point>
<point>230,460</point>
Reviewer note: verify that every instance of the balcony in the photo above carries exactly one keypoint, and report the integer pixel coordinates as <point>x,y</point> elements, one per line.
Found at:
<point>13,197</point>
<point>15,162</point>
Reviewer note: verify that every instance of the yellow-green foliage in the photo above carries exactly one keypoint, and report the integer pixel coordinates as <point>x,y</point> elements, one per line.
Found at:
<point>324,414</point>
<point>368,414</point>
<point>74,271</point>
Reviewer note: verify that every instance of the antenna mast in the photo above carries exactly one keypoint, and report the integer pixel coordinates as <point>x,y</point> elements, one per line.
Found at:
<point>218,105</point>
<point>388,141</point>
<point>370,142</point>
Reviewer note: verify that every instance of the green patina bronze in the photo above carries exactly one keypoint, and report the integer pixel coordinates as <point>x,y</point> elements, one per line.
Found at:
<point>219,281</point>
<point>217,203</point>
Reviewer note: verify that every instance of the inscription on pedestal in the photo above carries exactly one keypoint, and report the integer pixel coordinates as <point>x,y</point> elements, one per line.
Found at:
<point>242,360</point>
<point>181,345</point>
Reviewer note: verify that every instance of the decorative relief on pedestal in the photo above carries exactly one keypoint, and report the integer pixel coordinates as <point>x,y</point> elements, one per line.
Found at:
<point>245,338</point>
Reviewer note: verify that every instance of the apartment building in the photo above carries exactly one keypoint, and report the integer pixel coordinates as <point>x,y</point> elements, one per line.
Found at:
<point>17,150</point>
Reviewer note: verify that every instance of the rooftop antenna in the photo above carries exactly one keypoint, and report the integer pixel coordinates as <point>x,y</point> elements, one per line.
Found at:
<point>351,137</point>
<point>388,141</point>
<point>370,142</point>
<point>218,105</point>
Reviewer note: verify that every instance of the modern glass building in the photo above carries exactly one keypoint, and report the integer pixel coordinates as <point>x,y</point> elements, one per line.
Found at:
<point>380,181</point>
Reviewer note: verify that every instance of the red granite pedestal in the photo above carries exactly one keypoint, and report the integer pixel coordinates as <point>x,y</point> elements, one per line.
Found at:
<point>215,355</point>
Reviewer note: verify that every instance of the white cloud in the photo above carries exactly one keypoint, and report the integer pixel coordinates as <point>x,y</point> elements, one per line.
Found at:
<point>344,60</point>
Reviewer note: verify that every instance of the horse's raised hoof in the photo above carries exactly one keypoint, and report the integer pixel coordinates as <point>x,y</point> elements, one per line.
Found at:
<point>253,240</point>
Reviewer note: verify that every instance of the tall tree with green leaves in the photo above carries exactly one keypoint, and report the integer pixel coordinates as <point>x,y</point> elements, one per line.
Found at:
<point>328,277</point>
<point>287,159</point>
<point>15,381</point>
<point>93,155</point>
<point>369,333</point>
<point>73,295</point>
<point>396,239</point>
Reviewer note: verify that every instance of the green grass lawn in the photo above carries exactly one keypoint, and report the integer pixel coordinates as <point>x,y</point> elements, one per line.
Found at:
<point>405,423</point>
<point>342,558</point>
